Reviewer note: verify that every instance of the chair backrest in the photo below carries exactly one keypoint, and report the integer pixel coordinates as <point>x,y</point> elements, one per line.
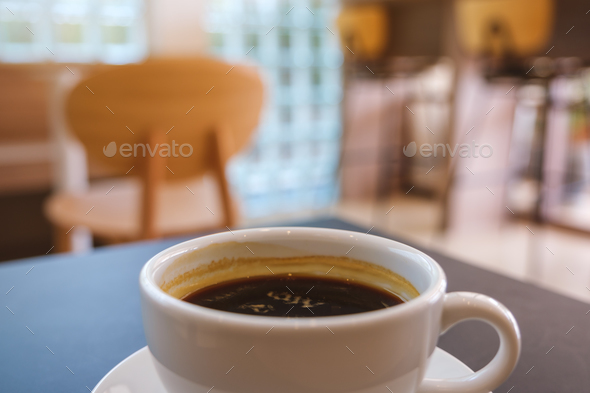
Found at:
<point>179,101</point>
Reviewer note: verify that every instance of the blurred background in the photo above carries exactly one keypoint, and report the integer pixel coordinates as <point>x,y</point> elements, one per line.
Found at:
<point>351,90</point>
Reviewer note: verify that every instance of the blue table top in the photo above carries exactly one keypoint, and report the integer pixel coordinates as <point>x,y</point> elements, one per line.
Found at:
<point>67,319</point>
<point>82,311</point>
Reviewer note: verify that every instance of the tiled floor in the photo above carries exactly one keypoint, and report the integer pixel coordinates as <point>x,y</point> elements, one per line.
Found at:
<point>546,256</point>
<point>552,258</point>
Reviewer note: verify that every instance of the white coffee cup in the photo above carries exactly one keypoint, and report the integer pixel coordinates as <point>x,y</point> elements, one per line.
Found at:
<point>198,349</point>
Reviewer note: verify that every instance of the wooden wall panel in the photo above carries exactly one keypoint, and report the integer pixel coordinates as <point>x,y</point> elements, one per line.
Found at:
<point>23,104</point>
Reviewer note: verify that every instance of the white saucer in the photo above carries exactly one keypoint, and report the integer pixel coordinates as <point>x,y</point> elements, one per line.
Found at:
<point>137,374</point>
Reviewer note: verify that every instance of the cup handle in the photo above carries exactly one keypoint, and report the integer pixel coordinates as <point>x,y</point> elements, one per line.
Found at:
<point>461,306</point>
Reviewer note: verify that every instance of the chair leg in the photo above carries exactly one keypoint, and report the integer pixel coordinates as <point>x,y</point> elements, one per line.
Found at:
<point>63,240</point>
<point>73,239</point>
<point>221,144</point>
<point>152,176</point>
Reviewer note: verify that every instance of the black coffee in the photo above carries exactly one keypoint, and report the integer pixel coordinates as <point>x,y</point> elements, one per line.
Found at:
<point>282,295</point>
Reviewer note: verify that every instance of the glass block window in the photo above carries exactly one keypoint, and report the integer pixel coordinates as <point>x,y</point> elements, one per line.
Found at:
<point>107,31</point>
<point>293,162</point>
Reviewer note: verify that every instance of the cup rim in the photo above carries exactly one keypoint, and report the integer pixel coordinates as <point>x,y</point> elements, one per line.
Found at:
<point>152,291</point>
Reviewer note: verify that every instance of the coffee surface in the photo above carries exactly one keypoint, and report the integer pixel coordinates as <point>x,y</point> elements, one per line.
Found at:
<point>285,295</point>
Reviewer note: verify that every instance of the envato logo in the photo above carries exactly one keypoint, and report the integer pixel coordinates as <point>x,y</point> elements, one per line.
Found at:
<point>164,150</point>
<point>464,150</point>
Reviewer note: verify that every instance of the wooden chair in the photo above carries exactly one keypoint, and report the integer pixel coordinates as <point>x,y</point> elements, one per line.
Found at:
<point>134,119</point>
